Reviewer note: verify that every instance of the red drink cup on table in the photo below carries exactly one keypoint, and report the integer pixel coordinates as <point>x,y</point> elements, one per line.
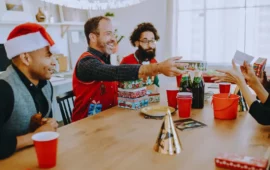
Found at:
<point>178,80</point>
<point>171,98</point>
<point>184,101</point>
<point>46,148</point>
<point>224,87</point>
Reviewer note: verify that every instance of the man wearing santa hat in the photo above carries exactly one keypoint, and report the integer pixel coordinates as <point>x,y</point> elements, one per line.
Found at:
<point>24,87</point>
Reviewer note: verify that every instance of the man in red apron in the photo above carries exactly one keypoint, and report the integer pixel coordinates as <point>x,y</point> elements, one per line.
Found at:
<point>144,37</point>
<point>95,79</point>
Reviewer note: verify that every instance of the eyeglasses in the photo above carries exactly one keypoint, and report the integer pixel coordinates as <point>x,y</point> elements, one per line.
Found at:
<point>146,42</point>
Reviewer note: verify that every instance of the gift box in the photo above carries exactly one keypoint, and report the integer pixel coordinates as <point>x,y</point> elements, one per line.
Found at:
<point>132,93</point>
<point>154,98</point>
<point>130,84</point>
<point>133,103</point>
<point>259,66</point>
<point>190,65</point>
<point>149,81</point>
<point>94,108</point>
<point>240,162</point>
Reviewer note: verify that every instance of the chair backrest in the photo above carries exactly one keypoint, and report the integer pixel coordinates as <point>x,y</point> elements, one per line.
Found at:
<point>66,105</point>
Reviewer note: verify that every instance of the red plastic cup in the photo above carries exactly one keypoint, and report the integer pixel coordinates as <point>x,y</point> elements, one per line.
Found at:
<point>224,87</point>
<point>171,97</point>
<point>184,101</point>
<point>46,148</point>
<point>178,80</point>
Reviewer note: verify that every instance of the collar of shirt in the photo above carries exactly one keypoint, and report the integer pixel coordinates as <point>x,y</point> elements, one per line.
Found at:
<point>102,56</point>
<point>27,82</point>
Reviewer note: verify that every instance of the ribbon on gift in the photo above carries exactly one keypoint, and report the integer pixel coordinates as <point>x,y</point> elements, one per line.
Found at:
<point>94,102</point>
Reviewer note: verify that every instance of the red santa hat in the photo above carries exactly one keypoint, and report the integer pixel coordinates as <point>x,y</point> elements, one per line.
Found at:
<point>28,37</point>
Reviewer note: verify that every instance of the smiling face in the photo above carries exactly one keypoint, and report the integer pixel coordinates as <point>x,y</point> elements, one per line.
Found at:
<point>41,63</point>
<point>104,39</point>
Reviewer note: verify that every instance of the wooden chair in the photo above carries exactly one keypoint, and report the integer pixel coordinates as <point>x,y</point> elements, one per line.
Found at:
<point>66,105</point>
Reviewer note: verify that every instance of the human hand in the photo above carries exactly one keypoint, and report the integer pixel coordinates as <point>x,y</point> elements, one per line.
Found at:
<point>233,75</point>
<point>170,67</point>
<point>48,124</point>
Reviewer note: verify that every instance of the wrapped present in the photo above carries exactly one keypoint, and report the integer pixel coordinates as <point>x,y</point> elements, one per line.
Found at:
<point>240,162</point>
<point>132,93</point>
<point>131,84</point>
<point>259,66</point>
<point>149,81</point>
<point>94,108</point>
<point>133,103</point>
<point>190,65</point>
<point>154,98</point>
<point>135,84</point>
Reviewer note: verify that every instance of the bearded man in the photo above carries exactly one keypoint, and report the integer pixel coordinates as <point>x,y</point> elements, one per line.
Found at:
<point>144,37</point>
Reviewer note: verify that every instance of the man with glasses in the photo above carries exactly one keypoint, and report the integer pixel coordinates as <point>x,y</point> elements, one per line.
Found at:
<point>144,37</point>
<point>95,79</point>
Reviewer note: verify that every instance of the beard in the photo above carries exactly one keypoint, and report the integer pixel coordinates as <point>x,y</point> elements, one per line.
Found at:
<point>107,47</point>
<point>146,54</point>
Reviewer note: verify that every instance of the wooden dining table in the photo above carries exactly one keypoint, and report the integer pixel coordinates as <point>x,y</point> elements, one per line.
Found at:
<point>122,139</point>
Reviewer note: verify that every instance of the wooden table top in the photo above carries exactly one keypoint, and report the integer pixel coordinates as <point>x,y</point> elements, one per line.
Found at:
<point>121,139</point>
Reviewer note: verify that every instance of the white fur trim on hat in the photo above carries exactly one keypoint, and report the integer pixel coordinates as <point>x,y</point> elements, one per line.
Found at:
<point>54,49</point>
<point>25,43</point>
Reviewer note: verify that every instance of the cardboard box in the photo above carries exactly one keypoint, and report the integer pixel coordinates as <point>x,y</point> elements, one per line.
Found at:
<point>63,63</point>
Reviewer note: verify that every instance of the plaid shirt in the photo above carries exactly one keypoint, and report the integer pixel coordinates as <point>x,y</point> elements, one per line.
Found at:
<point>90,69</point>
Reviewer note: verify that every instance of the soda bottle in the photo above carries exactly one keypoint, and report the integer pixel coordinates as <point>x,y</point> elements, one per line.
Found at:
<point>186,85</point>
<point>198,91</point>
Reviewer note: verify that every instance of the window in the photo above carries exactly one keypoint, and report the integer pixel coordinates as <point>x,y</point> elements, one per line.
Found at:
<point>212,30</point>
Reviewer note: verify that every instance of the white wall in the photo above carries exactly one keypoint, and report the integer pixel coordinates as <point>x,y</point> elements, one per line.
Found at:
<point>31,9</point>
<point>126,19</point>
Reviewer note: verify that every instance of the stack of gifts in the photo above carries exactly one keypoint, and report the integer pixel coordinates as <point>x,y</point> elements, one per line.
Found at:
<point>259,66</point>
<point>132,95</point>
<point>152,91</point>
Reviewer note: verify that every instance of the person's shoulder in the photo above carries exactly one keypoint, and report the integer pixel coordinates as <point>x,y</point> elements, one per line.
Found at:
<point>128,56</point>
<point>153,61</point>
<point>89,58</point>
<point>129,59</point>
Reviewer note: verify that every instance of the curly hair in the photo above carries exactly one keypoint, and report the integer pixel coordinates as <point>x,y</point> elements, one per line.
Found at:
<point>146,26</point>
